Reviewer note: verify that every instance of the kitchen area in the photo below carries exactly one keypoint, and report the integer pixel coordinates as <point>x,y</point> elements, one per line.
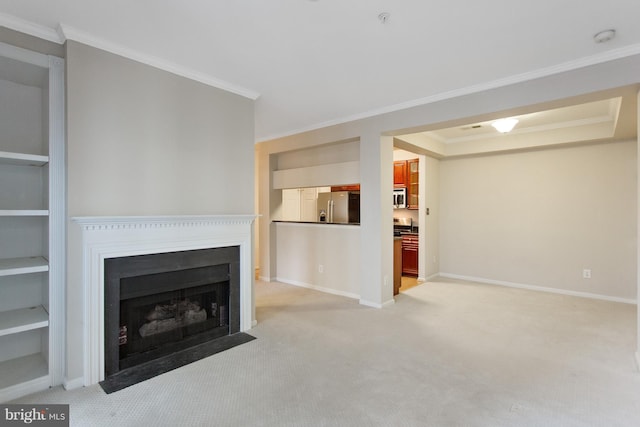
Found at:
<point>339,206</point>
<point>406,221</point>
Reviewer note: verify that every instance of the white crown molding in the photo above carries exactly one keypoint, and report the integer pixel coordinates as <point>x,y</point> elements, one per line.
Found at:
<point>600,58</point>
<point>97,223</point>
<point>69,33</point>
<point>65,32</point>
<point>36,30</point>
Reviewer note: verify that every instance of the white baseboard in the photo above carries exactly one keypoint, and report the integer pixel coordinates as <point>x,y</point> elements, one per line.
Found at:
<point>433,276</point>
<point>318,288</point>
<point>73,384</point>
<point>23,389</point>
<point>539,288</point>
<point>264,278</point>
<point>377,305</point>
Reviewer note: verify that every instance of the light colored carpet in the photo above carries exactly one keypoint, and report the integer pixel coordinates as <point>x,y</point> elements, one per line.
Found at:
<point>446,354</point>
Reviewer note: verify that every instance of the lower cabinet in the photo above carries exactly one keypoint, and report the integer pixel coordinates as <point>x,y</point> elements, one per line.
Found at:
<point>397,265</point>
<point>410,255</point>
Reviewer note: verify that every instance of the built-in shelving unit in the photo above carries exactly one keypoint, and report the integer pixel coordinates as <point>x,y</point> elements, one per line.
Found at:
<point>32,228</point>
<point>21,159</point>
<point>26,265</point>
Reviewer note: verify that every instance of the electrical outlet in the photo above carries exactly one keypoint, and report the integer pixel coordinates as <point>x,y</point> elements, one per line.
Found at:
<point>320,268</point>
<point>586,273</point>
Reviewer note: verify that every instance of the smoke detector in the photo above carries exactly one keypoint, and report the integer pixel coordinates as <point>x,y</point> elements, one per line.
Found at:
<point>384,17</point>
<point>604,36</point>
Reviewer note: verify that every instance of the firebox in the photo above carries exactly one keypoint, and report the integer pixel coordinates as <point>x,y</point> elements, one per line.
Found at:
<point>158,306</point>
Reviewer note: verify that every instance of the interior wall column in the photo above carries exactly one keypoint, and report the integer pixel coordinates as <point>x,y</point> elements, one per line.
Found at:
<point>638,231</point>
<point>376,220</point>
<point>267,199</point>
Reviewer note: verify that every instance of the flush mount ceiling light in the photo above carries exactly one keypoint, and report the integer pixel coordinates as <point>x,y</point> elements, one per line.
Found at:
<point>504,125</point>
<point>604,36</point>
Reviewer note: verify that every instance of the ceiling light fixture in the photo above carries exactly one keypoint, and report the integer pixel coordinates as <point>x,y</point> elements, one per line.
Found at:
<point>504,125</point>
<point>604,36</point>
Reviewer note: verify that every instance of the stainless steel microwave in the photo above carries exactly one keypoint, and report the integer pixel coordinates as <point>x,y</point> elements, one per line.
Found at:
<point>399,198</point>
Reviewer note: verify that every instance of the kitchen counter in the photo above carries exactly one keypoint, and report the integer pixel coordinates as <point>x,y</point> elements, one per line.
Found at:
<point>316,222</point>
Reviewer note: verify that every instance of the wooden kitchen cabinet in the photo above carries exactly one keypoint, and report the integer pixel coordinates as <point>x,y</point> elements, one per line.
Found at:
<point>412,183</point>
<point>400,173</point>
<point>352,187</point>
<point>410,254</point>
<point>397,265</point>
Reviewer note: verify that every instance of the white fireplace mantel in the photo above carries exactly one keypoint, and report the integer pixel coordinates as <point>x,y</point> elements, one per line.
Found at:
<point>103,237</point>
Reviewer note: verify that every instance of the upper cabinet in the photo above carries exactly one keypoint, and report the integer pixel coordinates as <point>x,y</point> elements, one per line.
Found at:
<point>400,173</point>
<point>353,187</point>
<point>406,175</point>
<point>412,184</point>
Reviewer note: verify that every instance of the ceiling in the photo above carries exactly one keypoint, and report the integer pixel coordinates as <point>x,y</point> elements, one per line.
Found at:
<point>312,63</point>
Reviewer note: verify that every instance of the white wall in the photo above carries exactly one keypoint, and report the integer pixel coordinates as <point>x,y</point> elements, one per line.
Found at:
<point>539,218</point>
<point>303,248</point>
<point>141,141</point>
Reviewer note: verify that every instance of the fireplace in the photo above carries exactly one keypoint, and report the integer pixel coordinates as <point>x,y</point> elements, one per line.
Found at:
<point>158,305</point>
<point>227,286</point>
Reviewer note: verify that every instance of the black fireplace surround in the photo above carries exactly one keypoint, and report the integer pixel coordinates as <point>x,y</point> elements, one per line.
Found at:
<point>165,310</point>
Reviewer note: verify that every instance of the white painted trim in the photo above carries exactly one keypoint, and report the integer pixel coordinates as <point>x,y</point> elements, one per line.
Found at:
<point>23,55</point>
<point>57,221</point>
<point>318,288</point>
<point>433,276</point>
<point>73,384</point>
<point>25,388</point>
<point>600,58</point>
<point>266,279</point>
<point>539,288</point>
<point>112,237</point>
<point>376,304</point>
<point>27,27</point>
<point>638,359</point>
<point>70,33</point>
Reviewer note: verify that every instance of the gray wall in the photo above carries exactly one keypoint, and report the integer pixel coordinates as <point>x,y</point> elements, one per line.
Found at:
<point>539,218</point>
<point>141,141</point>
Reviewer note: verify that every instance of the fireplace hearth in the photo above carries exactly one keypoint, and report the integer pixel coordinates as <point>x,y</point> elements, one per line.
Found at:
<point>167,309</point>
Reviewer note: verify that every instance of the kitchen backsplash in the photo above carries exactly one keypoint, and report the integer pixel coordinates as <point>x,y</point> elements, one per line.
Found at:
<point>407,213</point>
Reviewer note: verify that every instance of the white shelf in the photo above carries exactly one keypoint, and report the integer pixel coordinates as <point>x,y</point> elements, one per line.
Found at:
<point>21,159</point>
<point>20,372</point>
<point>24,212</point>
<point>13,266</point>
<point>24,319</point>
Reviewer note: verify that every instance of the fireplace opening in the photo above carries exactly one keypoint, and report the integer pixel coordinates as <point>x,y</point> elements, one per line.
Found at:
<point>157,322</point>
<point>168,309</point>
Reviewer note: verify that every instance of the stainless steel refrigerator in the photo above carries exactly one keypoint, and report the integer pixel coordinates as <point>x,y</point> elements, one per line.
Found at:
<point>339,207</point>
